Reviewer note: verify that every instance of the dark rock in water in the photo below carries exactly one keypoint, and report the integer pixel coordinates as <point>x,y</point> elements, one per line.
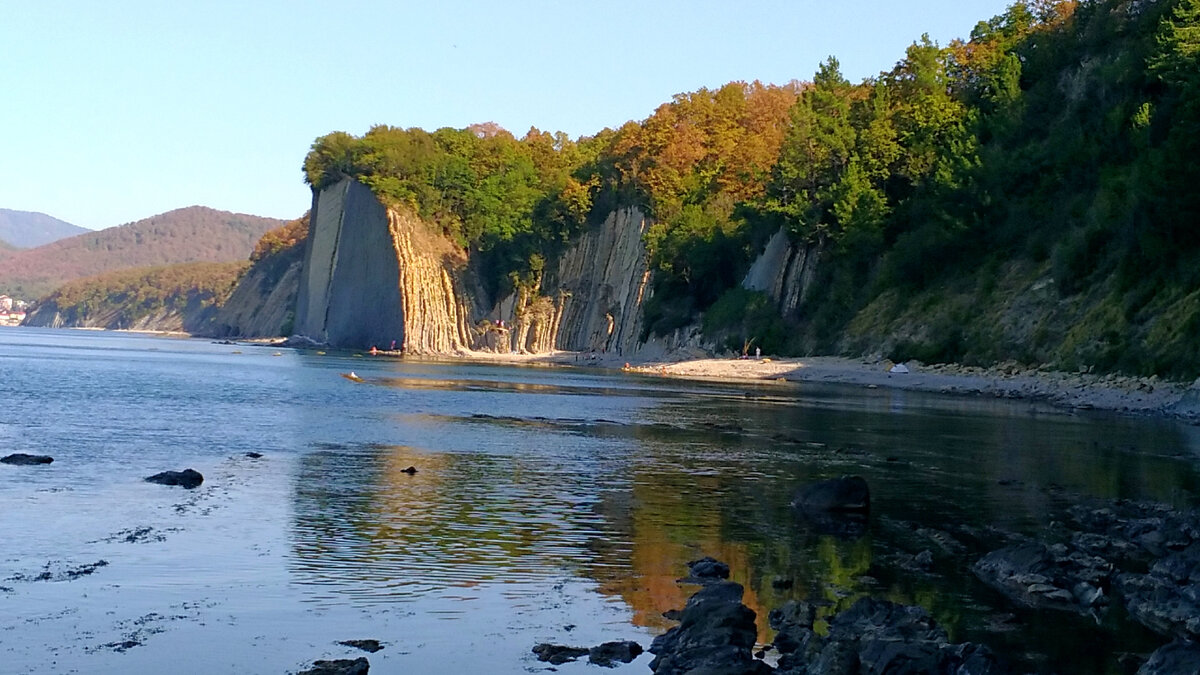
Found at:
<point>874,636</point>
<point>848,493</point>
<point>610,653</point>
<point>188,478</point>
<point>410,470</point>
<point>1167,598</point>
<point>716,635</point>
<point>359,666</point>
<point>23,459</point>
<point>1037,576</point>
<point>706,570</point>
<point>1181,656</point>
<point>837,507</point>
<point>369,646</point>
<point>254,455</point>
<point>558,654</point>
<point>782,583</point>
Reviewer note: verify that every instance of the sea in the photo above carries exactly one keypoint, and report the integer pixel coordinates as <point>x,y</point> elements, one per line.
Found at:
<point>548,504</point>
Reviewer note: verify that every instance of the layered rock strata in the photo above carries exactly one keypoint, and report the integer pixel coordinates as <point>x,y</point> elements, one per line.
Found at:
<point>374,275</point>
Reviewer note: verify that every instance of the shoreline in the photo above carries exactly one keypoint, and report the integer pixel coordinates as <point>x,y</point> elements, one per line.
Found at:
<point>1121,394</point>
<point>1141,396</point>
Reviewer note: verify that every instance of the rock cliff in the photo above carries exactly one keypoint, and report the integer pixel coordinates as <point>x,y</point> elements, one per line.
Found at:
<point>591,300</point>
<point>372,275</point>
<point>263,303</point>
<point>785,272</point>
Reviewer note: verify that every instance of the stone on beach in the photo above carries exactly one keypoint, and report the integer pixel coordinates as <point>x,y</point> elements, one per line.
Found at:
<point>23,459</point>
<point>609,653</point>
<point>188,478</point>
<point>359,666</point>
<point>369,646</point>
<point>558,654</point>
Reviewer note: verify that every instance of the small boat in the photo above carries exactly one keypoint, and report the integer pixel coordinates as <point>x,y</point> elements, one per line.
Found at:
<point>352,377</point>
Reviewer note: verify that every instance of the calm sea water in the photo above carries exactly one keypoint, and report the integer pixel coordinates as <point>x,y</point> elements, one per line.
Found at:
<point>549,504</point>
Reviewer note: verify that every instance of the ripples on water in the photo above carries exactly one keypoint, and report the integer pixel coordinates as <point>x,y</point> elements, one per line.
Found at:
<point>542,498</point>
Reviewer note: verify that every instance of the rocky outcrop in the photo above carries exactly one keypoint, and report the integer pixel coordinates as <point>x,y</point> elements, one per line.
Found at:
<point>601,284</point>
<point>873,636</point>
<point>263,304</point>
<point>187,479</point>
<point>23,459</point>
<point>785,272</point>
<point>350,286</point>
<point>372,275</point>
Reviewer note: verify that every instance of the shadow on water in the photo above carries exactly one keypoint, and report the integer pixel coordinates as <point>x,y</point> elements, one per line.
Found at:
<point>625,497</point>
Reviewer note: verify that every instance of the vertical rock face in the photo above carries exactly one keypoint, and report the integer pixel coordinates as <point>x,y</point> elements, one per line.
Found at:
<point>785,272</point>
<point>435,305</point>
<point>350,288</point>
<point>601,284</point>
<point>262,304</point>
<point>372,275</point>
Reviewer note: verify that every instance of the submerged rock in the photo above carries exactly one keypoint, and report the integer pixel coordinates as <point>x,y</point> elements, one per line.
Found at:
<point>874,636</point>
<point>848,493</point>
<point>1036,576</point>
<point>706,570</point>
<point>558,654</point>
<point>610,653</point>
<point>369,646</point>
<point>1181,656</point>
<point>716,634</point>
<point>188,478</point>
<point>359,666</point>
<point>838,506</point>
<point>23,459</point>
<point>1167,598</point>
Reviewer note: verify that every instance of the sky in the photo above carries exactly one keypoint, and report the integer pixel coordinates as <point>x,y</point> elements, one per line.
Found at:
<point>111,112</point>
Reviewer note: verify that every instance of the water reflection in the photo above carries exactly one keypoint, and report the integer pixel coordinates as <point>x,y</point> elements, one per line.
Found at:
<point>626,493</point>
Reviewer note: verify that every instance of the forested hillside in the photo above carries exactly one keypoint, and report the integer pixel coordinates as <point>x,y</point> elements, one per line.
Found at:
<point>1028,193</point>
<point>181,297</point>
<point>27,229</point>
<point>190,234</point>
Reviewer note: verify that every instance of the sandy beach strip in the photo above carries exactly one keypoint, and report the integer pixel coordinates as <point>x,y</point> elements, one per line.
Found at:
<point>1083,391</point>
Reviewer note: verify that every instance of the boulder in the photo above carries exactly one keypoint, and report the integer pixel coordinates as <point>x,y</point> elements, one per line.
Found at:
<point>874,636</point>
<point>369,646</point>
<point>716,634</point>
<point>188,478</point>
<point>1167,598</point>
<point>558,654</point>
<point>359,666</point>
<point>1036,576</point>
<point>23,459</point>
<point>1181,656</point>
<point>610,653</point>
<point>848,494</point>
<point>706,570</point>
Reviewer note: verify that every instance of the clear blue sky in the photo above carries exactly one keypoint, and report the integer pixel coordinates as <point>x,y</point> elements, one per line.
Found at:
<point>115,111</point>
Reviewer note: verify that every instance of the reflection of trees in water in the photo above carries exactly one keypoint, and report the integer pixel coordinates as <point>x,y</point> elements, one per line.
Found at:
<point>461,519</point>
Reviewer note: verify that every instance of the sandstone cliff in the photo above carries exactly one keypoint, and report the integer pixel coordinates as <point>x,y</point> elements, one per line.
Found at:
<point>592,299</point>
<point>784,271</point>
<point>372,275</point>
<point>264,302</point>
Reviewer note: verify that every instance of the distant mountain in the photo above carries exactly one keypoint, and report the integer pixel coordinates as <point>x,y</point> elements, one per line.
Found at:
<point>6,248</point>
<point>28,229</point>
<point>192,234</point>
